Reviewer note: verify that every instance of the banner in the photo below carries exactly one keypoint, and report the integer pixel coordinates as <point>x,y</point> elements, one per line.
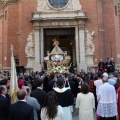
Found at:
<point>14,80</point>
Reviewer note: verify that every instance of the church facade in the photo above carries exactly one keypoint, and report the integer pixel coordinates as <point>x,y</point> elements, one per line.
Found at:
<point>88,30</point>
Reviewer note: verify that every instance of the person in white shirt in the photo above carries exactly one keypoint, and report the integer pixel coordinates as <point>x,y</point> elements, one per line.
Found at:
<point>51,110</point>
<point>97,84</point>
<point>86,103</point>
<point>107,101</point>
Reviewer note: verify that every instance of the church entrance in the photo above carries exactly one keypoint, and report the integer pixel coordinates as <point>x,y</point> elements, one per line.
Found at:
<point>66,38</point>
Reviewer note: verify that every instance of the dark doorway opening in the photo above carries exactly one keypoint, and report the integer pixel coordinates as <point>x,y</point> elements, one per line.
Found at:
<point>66,38</point>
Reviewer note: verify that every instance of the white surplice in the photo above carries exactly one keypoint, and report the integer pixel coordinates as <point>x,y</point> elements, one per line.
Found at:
<point>107,101</point>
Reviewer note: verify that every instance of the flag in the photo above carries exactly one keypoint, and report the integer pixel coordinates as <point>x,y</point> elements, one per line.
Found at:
<point>14,80</point>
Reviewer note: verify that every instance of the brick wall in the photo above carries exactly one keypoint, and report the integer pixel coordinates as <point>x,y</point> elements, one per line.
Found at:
<point>105,23</point>
<point>16,27</point>
<point>111,26</point>
<point>1,30</point>
<point>25,8</point>
<point>90,6</point>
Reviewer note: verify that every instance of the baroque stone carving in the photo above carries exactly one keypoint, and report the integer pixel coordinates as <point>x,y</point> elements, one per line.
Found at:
<point>41,6</point>
<point>30,47</point>
<point>90,47</point>
<point>76,5</point>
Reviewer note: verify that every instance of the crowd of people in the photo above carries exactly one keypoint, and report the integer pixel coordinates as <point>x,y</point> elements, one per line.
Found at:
<point>55,98</point>
<point>108,66</point>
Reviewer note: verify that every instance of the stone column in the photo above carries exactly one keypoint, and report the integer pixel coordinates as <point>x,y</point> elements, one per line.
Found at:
<point>82,64</point>
<point>42,47</point>
<point>77,49</point>
<point>37,65</point>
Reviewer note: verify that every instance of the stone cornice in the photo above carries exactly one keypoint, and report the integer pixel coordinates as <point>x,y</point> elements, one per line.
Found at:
<point>59,18</point>
<point>9,2</point>
<point>64,15</point>
<point>117,1</point>
<point>1,3</point>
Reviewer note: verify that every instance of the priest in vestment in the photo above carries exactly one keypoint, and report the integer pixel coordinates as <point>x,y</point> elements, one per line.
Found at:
<point>64,96</point>
<point>107,100</point>
<point>101,66</point>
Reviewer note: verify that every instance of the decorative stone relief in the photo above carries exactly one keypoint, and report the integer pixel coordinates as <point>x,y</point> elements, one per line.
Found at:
<point>30,47</point>
<point>73,5</point>
<point>76,5</point>
<point>90,47</point>
<point>41,6</point>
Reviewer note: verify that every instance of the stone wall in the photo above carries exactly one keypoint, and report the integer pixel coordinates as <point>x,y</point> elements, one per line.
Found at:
<point>90,7</point>
<point>110,27</point>
<point>16,27</point>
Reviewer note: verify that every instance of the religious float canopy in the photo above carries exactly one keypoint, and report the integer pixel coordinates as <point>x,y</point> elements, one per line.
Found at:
<point>58,62</point>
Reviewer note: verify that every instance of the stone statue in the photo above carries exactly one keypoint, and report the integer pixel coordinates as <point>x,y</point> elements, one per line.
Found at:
<point>76,5</point>
<point>29,49</point>
<point>90,47</point>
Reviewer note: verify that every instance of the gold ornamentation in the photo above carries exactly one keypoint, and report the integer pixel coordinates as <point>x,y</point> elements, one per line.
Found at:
<point>57,61</point>
<point>55,41</point>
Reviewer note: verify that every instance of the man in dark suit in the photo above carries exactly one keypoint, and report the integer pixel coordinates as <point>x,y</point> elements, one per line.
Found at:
<point>39,94</point>
<point>112,69</point>
<point>4,104</point>
<point>108,65</point>
<point>21,110</point>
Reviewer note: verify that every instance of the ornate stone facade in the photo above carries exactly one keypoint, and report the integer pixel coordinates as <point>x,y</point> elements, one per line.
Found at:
<point>41,5</point>
<point>44,6</point>
<point>76,5</point>
<point>71,16</point>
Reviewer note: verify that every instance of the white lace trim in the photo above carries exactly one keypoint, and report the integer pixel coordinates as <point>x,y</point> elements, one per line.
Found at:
<point>107,109</point>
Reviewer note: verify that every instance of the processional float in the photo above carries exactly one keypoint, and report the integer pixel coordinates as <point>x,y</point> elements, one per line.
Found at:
<point>58,62</point>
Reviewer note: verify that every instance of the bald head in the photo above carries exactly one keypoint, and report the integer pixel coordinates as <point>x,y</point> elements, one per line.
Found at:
<point>21,94</point>
<point>105,79</point>
<point>3,90</point>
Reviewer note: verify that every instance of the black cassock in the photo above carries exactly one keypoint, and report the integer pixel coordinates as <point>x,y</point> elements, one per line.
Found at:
<point>65,99</point>
<point>108,66</point>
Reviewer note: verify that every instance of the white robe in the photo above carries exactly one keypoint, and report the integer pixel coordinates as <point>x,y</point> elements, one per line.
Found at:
<point>107,101</point>
<point>85,103</point>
